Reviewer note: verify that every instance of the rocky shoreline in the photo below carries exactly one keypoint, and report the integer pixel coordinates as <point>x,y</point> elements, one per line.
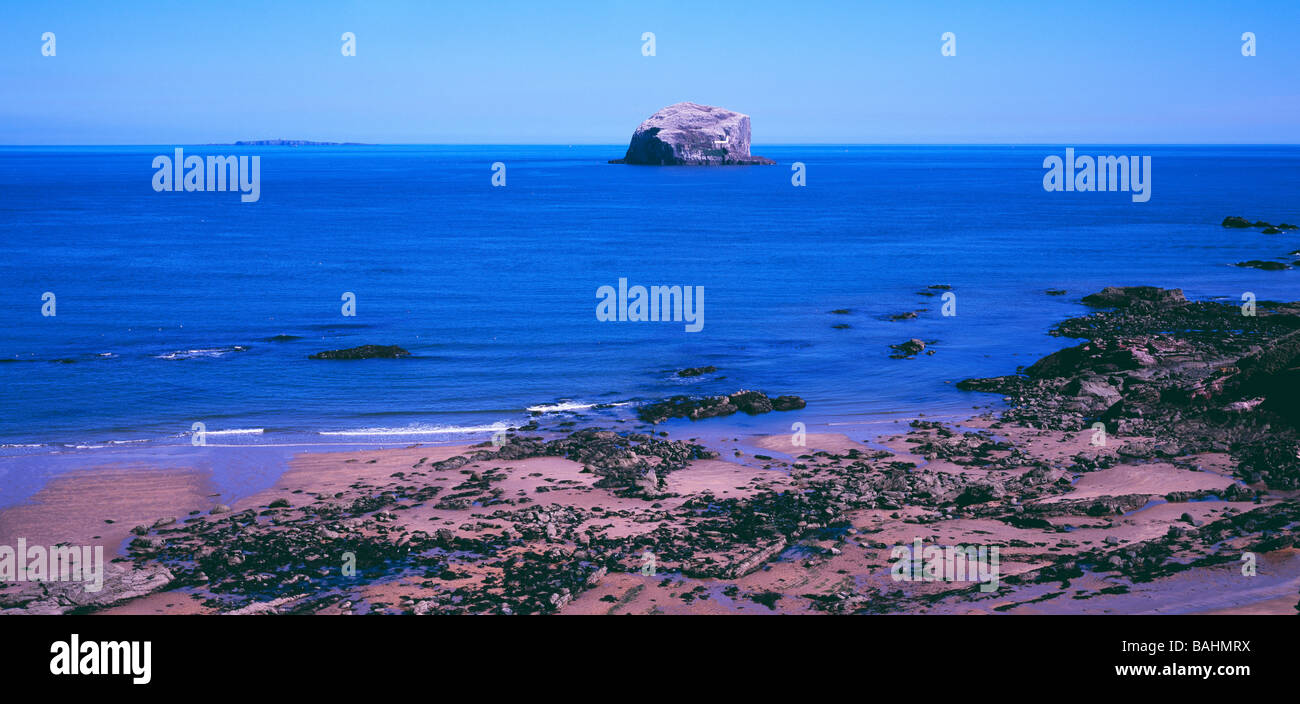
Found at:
<point>1160,449</point>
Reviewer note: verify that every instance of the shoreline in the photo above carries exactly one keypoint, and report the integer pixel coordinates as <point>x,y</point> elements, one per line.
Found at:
<point>1153,521</point>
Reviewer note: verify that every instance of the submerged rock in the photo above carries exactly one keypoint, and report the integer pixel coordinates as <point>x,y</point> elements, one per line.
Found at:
<point>364,352</point>
<point>1264,265</point>
<point>696,371</point>
<point>690,134</point>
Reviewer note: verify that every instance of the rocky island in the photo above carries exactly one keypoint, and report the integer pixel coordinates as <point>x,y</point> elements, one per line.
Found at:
<point>690,134</point>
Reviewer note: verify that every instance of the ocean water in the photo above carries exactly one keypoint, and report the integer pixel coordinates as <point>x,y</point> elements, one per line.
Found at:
<point>168,303</point>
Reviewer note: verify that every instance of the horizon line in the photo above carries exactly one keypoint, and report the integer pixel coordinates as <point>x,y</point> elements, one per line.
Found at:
<point>327,143</point>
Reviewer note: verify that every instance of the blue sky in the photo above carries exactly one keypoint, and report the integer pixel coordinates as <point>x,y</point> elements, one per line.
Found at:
<point>572,73</point>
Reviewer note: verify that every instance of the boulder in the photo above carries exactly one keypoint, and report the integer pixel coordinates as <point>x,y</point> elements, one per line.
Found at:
<point>751,402</point>
<point>788,403</point>
<point>907,349</point>
<point>1103,357</point>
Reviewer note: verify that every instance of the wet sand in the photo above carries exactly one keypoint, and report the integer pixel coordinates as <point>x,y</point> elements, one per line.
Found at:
<point>100,506</point>
<point>74,507</point>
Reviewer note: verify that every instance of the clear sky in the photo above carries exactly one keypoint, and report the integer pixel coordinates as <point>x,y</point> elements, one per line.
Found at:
<point>499,71</point>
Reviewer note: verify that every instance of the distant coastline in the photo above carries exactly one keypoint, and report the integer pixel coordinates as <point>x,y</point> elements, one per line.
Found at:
<point>290,143</point>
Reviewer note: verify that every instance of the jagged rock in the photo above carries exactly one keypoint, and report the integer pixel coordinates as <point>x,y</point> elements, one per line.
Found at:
<point>907,349</point>
<point>690,134</point>
<point>1094,393</point>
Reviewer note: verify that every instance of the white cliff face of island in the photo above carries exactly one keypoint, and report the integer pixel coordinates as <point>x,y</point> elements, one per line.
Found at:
<point>690,134</point>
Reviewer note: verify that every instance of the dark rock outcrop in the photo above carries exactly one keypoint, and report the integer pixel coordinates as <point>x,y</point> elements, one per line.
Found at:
<point>1199,376</point>
<point>690,134</point>
<point>1136,297</point>
<point>907,349</point>
<point>1240,223</point>
<point>364,352</point>
<point>696,371</point>
<point>1263,265</point>
<point>788,403</point>
<point>697,408</point>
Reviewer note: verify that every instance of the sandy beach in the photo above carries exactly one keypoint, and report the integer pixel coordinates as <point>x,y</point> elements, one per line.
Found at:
<point>851,565</point>
<point>1034,509</point>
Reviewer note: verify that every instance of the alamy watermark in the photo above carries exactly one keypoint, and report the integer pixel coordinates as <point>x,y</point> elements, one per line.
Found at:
<point>217,173</point>
<point>77,657</point>
<point>1102,173</point>
<point>57,563</point>
<point>953,563</point>
<point>659,304</point>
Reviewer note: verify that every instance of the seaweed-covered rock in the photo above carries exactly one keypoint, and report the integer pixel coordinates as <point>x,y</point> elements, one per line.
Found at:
<point>1141,297</point>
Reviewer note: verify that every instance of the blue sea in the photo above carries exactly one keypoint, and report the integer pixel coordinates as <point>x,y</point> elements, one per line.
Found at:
<point>169,304</point>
